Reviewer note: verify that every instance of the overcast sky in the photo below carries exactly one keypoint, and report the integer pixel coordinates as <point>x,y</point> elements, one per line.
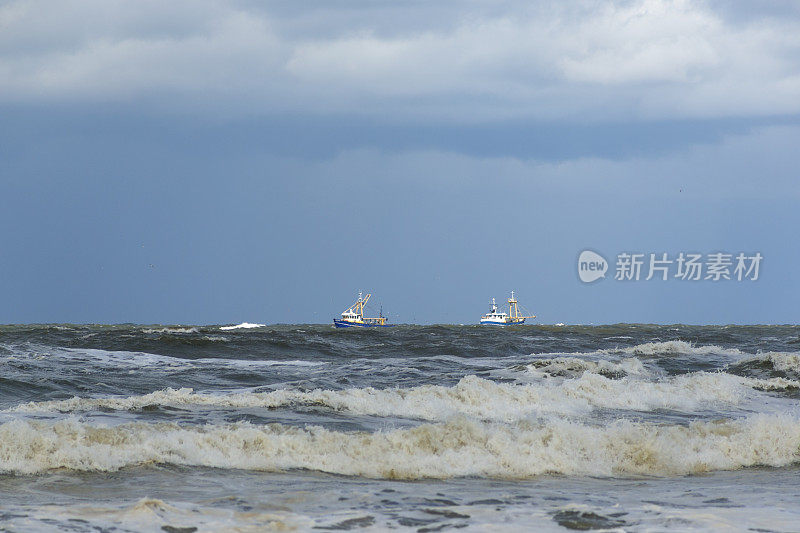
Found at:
<point>217,162</point>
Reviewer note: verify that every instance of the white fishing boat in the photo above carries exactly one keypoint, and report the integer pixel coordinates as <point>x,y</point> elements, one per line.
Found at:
<point>497,317</point>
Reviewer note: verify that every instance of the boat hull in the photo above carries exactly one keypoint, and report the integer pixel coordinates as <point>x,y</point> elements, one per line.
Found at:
<point>345,324</point>
<point>494,323</point>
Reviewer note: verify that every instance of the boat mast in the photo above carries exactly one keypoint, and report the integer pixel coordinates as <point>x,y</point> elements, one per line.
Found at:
<point>362,303</point>
<point>513,303</point>
<point>358,307</point>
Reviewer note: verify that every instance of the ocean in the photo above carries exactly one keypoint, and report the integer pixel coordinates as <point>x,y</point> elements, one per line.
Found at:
<point>623,427</point>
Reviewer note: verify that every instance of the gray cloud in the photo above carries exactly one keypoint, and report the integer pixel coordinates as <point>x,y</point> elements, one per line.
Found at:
<point>642,59</point>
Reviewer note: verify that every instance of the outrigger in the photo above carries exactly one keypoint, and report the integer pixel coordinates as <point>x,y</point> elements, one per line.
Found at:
<point>500,318</point>
<point>353,316</point>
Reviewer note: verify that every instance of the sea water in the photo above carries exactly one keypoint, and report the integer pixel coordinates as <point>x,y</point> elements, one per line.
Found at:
<point>424,428</point>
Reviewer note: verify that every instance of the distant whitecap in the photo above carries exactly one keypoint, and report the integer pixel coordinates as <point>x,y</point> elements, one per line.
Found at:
<point>243,325</point>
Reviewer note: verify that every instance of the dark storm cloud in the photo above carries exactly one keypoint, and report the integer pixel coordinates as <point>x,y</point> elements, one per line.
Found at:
<point>460,62</point>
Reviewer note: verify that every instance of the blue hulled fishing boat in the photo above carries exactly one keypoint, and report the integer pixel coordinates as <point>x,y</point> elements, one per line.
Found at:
<point>353,316</point>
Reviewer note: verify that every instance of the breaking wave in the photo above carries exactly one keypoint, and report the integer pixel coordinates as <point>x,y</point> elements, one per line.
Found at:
<point>126,359</point>
<point>629,365</point>
<point>243,325</point>
<point>574,366</point>
<point>671,348</point>
<point>471,396</point>
<point>460,447</point>
<point>788,362</point>
<point>170,330</point>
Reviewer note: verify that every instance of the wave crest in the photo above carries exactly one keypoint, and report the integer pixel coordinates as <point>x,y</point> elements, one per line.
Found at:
<point>170,330</point>
<point>672,348</point>
<point>243,325</point>
<point>574,366</point>
<point>471,396</point>
<point>788,362</point>
<point>460,447</point>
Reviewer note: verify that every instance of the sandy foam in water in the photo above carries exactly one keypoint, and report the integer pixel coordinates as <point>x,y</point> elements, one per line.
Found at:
<point>460,447</point>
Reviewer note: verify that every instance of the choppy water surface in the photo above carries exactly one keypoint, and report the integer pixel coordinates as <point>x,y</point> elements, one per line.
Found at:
<point>632,427</point>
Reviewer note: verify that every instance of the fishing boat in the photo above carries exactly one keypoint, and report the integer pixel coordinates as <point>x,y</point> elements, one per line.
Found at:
<point>496,317</point>
<point>353,316</point>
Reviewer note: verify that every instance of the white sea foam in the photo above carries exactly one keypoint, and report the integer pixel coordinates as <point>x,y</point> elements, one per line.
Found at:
<point>575,366</point>
<point>243,325</point>
<point>460,447</point>
<point>124,359</point>
<point>650,349</point>
<point>471,396</point>
<point>673,348</point>
<point>152,514</point>
<point>781,361</point>
<point>255,363</point>
<point>170,330</point>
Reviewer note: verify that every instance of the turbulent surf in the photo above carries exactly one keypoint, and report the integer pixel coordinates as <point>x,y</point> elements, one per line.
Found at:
<point>254,426</point>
